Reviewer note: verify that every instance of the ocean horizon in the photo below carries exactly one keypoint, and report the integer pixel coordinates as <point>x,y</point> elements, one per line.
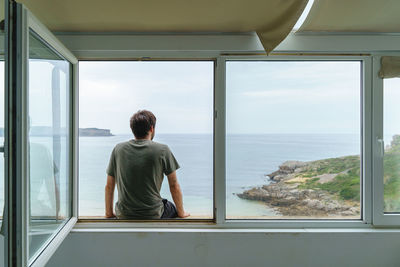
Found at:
<point>249,159</point>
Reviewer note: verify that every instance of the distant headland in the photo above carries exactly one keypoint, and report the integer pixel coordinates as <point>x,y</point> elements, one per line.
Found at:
<point>94,132</point>
<point>48,131</point>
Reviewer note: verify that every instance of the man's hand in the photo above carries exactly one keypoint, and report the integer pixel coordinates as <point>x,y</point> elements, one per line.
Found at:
<point>184,215</point>
<point>110,216</point>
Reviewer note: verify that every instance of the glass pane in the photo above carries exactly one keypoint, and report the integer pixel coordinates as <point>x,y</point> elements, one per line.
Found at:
<point>293,139</point>
<point>2,73</point>
<point>1,136</point>
<point>48,143</point>
<point>391,130</point>
<point>1,133</point>
<point>180,94</point>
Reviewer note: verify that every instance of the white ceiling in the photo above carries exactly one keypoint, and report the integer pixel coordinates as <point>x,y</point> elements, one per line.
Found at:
<point>158,15</point>
<point>271,19</point>
<point>353,16</point>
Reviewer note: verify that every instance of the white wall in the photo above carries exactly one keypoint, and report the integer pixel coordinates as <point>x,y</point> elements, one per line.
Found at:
<point>229,249</point>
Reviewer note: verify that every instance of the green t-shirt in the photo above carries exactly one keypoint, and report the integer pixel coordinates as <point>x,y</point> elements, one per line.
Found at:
<point>138,167</point>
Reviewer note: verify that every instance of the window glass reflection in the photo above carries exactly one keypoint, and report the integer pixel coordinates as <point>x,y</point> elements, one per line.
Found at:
<point>1,137</point>
<point>48,144</point>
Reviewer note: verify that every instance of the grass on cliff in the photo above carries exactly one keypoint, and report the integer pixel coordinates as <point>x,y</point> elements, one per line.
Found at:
<point>331,166</point>
<point>391,176</point>
<point>346,185</point>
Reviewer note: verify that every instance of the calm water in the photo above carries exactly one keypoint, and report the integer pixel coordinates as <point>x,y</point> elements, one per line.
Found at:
<point>249,159</point>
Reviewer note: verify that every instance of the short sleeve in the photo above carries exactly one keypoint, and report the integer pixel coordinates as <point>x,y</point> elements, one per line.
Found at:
<point>170,164</point>
<point>111,164</point>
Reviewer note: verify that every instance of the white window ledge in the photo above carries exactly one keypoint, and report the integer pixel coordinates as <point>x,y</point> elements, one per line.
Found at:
<point>230,230</point>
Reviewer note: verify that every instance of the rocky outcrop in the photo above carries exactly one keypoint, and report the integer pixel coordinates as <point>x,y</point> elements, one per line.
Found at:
<point>288,167</point>
<point>285,195</point>
<point>50,131</point>
<point>94,132</point>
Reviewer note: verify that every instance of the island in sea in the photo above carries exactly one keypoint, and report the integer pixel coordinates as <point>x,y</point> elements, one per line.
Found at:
<point>327,187</point>
<point>94,132</point>
<point>49,131</point>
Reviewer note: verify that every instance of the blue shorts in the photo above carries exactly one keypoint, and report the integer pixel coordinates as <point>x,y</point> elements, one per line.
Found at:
<point>169,210</point>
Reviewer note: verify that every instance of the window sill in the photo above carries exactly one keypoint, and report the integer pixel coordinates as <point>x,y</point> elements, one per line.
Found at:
<point>81,229</point>
<point>104,225</point>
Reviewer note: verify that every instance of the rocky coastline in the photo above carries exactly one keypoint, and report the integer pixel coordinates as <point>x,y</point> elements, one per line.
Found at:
<point>287,195</point>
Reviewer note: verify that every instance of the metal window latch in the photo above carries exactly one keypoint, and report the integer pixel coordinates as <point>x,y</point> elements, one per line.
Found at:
<point>381,144</point>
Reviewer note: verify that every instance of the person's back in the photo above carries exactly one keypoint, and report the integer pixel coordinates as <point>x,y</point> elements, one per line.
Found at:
<point>138,167</point>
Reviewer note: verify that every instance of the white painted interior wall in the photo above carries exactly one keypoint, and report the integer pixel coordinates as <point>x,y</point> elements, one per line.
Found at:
<point>229,249</point>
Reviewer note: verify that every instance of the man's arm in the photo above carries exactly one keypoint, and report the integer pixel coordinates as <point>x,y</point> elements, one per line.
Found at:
<point>110,187</point>
<point>176,193</point>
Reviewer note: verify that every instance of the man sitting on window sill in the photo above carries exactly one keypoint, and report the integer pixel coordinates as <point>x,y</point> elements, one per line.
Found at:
<point>138,167</point>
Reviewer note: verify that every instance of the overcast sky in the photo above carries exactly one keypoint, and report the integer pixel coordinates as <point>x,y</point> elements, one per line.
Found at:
<point>262,97</point>
<point>180,94</point>
<point>293,97</point>
<point>391,111</point>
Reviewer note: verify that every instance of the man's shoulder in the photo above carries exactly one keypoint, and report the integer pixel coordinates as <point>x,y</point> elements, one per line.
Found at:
<point>152,144</point>
<point>121,145</point>
<point>159,145</point>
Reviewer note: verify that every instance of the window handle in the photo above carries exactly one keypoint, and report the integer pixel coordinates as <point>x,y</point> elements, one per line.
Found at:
<point>381,144</point>
<point>1,149</point>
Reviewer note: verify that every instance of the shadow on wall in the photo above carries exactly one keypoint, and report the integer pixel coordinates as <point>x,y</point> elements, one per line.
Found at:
<point>1,251</point>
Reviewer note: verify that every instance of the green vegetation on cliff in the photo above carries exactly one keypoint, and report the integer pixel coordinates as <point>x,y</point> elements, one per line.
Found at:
<point>345,171</point>
<point>346,177</point>
<point>391,175</point>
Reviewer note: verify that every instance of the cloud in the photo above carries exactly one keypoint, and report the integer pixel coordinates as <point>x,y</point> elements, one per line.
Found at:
<point>309,94</point>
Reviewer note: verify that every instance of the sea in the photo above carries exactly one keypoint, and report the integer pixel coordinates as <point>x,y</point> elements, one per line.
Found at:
<point>249,158</point>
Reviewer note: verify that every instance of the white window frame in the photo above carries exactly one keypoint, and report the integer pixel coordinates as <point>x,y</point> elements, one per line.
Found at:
<point>219,158</point>
<point>365,137</point>
<point>52,243</point>
<point>103,46</point>
<point>17,184</point>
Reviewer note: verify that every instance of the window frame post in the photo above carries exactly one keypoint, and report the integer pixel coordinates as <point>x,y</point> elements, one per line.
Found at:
<point>219,142</point>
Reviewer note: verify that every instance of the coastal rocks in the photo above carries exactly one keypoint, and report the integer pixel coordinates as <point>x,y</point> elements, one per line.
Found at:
<point>286,168</point>
<point>285,194</point>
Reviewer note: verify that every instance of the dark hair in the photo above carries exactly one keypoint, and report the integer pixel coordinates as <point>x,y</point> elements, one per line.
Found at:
<point>141,123</point>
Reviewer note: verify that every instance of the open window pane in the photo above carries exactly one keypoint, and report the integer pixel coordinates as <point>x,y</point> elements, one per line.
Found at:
<point>391,130</point>
<point>293,139</point>
<point>1,135</point>
<point>179,93</point>
<point>48,143</point>
<point>2,73</point>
